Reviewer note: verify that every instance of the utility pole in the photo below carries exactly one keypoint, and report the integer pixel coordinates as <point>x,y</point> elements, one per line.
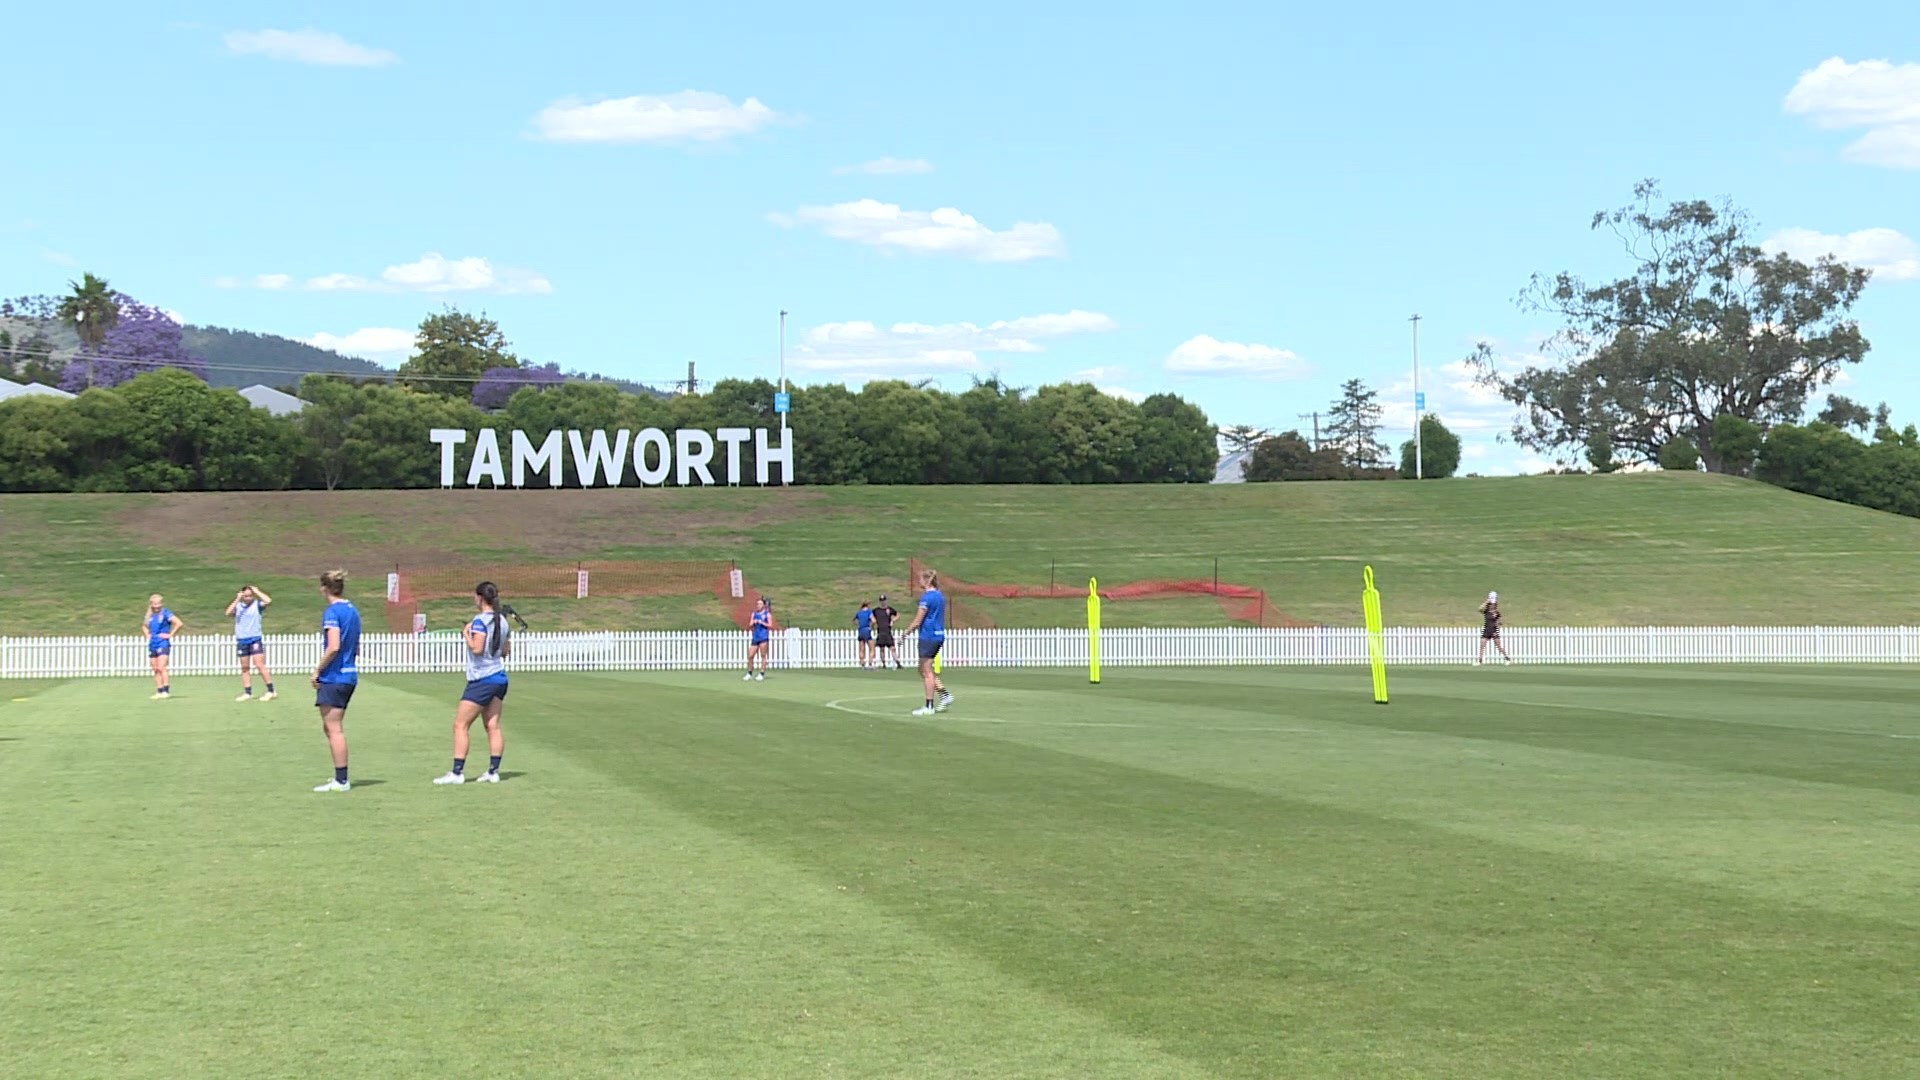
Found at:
<point>1315,417</point>
<point>690,382</point>
<point>1419,399</point>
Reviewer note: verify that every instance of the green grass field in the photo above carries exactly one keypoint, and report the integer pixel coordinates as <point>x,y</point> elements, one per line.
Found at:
<point>1665,548</point>
<point>1510,872</point>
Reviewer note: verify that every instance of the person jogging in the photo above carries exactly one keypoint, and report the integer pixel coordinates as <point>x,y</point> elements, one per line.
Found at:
<point>1490,630</point>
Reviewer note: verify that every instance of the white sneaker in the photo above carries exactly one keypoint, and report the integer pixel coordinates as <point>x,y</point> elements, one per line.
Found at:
<point>450,778</point>
<point>748,677</point>
<point>268,696</point>
<point>244,697</point>
<point>334,785</point>
<point>923,711</point>
<point>158,696</point>
<point>487,778</point>
<point>1506,659</point>
<point>761,677</point>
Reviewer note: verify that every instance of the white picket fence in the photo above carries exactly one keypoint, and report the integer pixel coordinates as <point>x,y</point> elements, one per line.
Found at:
<point>63,657</point>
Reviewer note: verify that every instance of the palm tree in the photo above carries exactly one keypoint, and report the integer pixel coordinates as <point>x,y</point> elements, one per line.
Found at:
<point>91,310</point>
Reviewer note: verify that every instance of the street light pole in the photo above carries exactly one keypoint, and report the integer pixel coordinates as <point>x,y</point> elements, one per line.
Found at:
<point>1418,471</point>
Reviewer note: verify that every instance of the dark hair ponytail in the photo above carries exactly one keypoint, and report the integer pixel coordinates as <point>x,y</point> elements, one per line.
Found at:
<point>490,592</point>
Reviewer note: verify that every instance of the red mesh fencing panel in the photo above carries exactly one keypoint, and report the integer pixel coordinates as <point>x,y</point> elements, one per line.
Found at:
<point>623,579</point>
<point>1241,603</point>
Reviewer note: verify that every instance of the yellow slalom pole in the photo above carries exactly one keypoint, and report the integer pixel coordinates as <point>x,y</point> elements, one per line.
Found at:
<point>1093,630</point>
<point>1376,637</point>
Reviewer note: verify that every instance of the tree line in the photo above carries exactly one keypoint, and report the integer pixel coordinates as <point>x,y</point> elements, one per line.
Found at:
<point>1349,448</point>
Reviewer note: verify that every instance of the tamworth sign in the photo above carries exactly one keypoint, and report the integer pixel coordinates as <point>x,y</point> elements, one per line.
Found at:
<point>602,459</point>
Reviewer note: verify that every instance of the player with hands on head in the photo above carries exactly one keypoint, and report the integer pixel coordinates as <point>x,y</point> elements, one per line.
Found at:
<point>245,611</point>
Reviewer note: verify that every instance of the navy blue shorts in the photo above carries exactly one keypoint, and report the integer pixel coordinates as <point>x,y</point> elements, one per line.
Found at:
<point>930,647</point>
<point>866,637</point>
<point>482,691</point>
<point>333,695</point>
<point>162,649</point>
<point>252,646</point>
<point>760,640</point>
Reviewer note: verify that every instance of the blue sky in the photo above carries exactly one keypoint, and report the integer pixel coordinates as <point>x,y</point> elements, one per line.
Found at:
<point>1241,204</point>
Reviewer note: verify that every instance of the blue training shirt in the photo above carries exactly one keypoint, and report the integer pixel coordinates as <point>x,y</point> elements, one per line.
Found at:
<point>934,626</point>
<point>864,620</point>
<point>345,665</point>
<point>246,621</point>
<point>158,623</point>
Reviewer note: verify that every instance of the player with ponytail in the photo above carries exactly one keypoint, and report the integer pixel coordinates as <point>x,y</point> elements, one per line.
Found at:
<point>488,646</point>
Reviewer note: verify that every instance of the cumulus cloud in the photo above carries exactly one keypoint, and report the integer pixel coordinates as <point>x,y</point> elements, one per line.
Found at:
<point>1889,254</point>
<point>307,46</point>
<point>945,231</point>
<point>688,116</point>
<point>369,342</point>
<point>1880,96</point>
<point>1123,393</point>
<point>1204,355</point>
<point>887,166</point>
<point>431,273</point>
<point>857,351</point>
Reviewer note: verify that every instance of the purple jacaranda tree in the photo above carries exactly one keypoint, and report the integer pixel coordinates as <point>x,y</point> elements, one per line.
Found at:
<point>145,338</point>
<point>498,384</point>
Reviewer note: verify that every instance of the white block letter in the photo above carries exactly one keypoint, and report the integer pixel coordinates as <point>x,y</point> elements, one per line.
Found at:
<point>663,451</point>
<point>486,459</point>
<point>763,456</point>
<point>447,438</point>
<point>733,437</point>
<point>692,450</point>
<point>546,457</point>
<point>589,459</point>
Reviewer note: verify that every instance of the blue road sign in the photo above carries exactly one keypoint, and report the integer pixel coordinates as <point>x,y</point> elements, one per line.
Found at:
<point>780,401</point>
<point>1419,402</point>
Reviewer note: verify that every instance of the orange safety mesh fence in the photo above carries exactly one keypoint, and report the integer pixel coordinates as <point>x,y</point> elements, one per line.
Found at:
<point>577,580</point>
<point>1241,603</point>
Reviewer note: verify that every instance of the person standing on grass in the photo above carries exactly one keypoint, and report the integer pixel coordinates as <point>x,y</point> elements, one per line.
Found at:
<point>931,623</point>
<point>247,638</point>
<point>760,638</point>
<point>160,625</point>
<point>863,628</point>
<point>338,672</point>
<point>488,647</point>
<point>1490,630</point>
<point>883,617</point>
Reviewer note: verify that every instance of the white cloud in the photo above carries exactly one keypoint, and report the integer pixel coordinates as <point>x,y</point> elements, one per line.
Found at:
<point>368,342</point>
<point>1877,95</point>
<point>945,231</point>
<point>431,273</point>
<point>857,351</point>
<point>178,319</point>
<point>688,116</point>
<point>59,258</point>
<point>1102,374</point>
<point>887,166</point>
<point>1890,255</point>
<point>307,46</point>
<point>1123,393</point>
<point>1203,355</point>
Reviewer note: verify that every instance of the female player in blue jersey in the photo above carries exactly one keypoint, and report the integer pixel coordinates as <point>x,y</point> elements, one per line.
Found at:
<point>251,643</point>
<point>760,638</point>
<point>159,625</point>
<point>488,647</point>
<point>931,622</point>
<point>863,630</point>
<point>338,672</point>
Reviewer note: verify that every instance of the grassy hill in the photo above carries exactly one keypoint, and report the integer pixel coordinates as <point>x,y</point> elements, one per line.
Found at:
<point>1563,550</point>
<point>243,358</point>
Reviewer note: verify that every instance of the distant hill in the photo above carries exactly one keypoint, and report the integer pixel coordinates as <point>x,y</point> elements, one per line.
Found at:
<point>243,358</point>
